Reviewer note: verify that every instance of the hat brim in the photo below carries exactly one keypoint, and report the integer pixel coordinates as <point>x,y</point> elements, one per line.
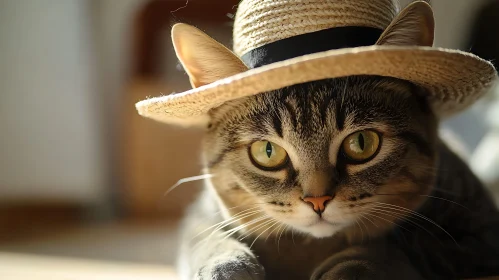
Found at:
<point>454,79</point>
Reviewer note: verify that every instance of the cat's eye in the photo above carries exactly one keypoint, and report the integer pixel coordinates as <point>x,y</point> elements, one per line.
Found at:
<point>268,155</point>
<point>361,146</point>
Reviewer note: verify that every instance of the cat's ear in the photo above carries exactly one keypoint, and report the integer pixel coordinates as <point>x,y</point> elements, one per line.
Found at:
<point>414,26</point>
<point>204,59</point>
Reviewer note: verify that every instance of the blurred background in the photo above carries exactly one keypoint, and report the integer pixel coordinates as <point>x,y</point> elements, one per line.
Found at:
<point>83,177</point>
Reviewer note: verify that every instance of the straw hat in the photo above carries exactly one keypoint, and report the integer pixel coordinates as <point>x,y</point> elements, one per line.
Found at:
<point>278,43</point>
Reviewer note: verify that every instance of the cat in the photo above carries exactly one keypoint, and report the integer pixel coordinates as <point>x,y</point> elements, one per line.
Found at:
<point>342,178</point>
<point>396,202</point>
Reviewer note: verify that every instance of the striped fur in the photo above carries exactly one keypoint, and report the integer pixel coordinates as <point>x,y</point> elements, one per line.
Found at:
<point>310,121</point>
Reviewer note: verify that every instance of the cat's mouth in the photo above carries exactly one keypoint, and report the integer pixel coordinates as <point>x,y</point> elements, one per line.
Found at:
<point>324,221</point>
<point>321,228</point>
<point>320,220</point>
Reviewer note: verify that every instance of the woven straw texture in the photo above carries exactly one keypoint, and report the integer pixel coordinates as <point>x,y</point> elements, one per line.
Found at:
<point>454,79</point>
<point>259,22</point>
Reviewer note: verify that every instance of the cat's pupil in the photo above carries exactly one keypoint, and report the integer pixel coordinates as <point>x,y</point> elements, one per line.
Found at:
<point>361,141</point>
<point>268,149</point>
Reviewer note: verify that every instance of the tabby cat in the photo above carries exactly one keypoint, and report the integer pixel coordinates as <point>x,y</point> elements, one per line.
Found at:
<point>342,178</point>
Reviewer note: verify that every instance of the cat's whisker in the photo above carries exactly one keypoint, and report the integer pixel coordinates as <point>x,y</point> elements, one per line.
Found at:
<point>279,239</point>
<point>237,220</point>
<point>217,230</point>
<point>365,226</point>
<point>232,208</point>
<point>404,218</point>
<point>256,229</point>
<point>187,180</point>
<point>220,212</point>
<point>245,213</point>
<point>361,231</point>
<point>425,195</point>
<point>444,199</point>
<point>277,234</point>
<point>235,217</point>
<point>270,233</point>
<point>231,232</point>
<point>445,191</point>
<point>242,212</point>
<point>369,220</point>
<point>419,215</point>
<point>256,238</point>
<point>376,216</point>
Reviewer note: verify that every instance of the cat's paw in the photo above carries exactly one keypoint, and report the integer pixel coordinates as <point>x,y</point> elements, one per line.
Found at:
<point>235,268</point>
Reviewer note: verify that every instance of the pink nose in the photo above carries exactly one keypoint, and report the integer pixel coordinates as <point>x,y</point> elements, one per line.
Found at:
<point>319,203</point>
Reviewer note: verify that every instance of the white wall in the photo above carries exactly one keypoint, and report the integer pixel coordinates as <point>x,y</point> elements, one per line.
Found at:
<point>49,121</point>
<point>113,34</point>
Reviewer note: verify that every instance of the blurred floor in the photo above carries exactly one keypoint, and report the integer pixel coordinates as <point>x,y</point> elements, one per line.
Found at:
<point>140,242</point>
<point>23,266</point>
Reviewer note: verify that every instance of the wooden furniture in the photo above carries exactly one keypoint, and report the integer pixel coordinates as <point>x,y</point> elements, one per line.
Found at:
<point>154,156</point>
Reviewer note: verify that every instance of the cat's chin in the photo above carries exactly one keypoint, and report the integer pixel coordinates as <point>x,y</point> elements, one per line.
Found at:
<point>322,229</point>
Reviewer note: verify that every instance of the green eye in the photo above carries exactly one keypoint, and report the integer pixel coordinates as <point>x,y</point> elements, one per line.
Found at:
<point>268,155</point>
<point>361,146</point>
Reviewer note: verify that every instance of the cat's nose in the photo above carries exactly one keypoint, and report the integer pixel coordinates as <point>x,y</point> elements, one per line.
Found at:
<point>318,202</point>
